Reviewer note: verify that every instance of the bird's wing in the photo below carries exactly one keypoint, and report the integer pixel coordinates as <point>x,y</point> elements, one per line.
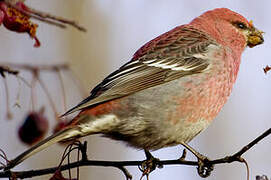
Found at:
<point>170,56</point>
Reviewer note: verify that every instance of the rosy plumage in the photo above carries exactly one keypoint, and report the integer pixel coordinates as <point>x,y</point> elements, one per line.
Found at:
<point>170,91</point>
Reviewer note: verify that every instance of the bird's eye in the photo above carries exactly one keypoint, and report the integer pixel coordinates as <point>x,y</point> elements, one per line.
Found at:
<point>241,25</point>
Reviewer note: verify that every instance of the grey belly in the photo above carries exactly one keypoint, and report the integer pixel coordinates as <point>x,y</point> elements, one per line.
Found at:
<point>145,124</point>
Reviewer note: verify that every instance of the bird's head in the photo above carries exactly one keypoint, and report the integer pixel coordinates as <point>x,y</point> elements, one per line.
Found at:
<point>252,35</point>
<point>229,28</point>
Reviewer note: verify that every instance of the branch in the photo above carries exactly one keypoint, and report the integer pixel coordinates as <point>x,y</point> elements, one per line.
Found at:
<point>8,67</point>
<point>116,164</point>
<point>14,69</point>
<point>5,69</point>
<point>44,17</point>
<point>121,164</point>
<point>237,156</point>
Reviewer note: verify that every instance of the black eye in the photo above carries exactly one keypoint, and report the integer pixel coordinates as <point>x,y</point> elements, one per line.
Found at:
<point>241,25</point>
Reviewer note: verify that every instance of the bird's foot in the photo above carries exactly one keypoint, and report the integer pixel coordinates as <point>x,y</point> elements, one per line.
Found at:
<point>149,164</point>
<point>205,167</point>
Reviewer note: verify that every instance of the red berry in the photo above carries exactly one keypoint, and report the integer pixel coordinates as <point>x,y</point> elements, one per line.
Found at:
<point>34,128</point>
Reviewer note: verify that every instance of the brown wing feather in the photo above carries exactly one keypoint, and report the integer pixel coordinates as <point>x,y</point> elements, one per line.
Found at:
<point>166,58</point>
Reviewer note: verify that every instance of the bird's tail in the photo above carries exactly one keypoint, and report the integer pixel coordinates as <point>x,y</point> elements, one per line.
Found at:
<point>86,125</point>
<point>59,136</point>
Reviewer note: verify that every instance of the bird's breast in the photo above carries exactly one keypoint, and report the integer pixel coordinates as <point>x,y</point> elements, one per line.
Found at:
<point>203,95</point>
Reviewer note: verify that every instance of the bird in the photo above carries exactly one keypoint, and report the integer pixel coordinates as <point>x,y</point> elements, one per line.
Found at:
<point>171,89</point>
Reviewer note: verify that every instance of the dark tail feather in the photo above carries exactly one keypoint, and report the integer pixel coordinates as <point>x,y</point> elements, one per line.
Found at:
<point>78,107</point>
<point>59,136</point>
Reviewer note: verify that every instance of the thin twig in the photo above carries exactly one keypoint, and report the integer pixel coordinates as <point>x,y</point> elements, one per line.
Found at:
<point>235,157</point>
<point>79,85</point>
<point>5,69</point>
<point>35,67</point>
<point>8,112</point>
<point>44,87</point>
<point>78,158</point>
<point>46,17</point>
<point>247,167</point>
<point>24,81</point>
<point>62,89</point>
<point>69,160</point>
<point>33,94</point>
<point>125,172</point>
<point>3,155</point>
<point>118,164</point>
<point>17,101</point>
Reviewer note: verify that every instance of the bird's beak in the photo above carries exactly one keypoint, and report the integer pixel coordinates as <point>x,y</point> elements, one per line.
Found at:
<point>255,37</point>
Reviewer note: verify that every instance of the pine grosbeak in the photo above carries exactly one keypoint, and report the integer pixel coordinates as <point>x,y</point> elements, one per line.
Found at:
<point>170,91</point>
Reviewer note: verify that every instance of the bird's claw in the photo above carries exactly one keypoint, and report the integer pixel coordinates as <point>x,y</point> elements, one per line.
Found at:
<point>149,165</point>
<point>204,166</point>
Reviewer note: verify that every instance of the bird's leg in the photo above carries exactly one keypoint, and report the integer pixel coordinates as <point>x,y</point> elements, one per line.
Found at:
<point>196,153</point>
<point>148,154</point>
<point>149,164</point>
<point>204,165</point>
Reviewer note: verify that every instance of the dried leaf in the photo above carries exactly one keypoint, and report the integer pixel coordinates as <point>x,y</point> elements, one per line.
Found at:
<point>266,69</point>
<point>58,176</point>
<point>14,20</point>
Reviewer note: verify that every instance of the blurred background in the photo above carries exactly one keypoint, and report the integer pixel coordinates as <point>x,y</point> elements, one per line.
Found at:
<point>116,29</point>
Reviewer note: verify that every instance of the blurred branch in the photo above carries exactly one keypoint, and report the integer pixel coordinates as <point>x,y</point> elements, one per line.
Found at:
<point>9,67</point>
<point>121,164</point>
<point>14,69</point>
<point>43,16</point>
<point>5,69</point>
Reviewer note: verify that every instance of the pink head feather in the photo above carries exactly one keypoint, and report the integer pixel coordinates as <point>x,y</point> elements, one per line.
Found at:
<point>218,23</point>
